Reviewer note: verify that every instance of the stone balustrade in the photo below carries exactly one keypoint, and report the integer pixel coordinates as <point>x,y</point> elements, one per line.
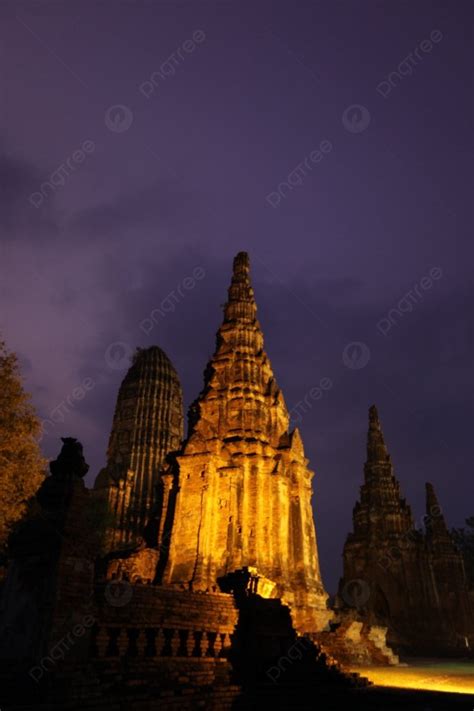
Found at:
<point>150,642</point>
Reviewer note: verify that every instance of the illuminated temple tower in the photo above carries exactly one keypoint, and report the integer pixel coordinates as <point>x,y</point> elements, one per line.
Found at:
<point>147,425</point>
<point>243,482</point>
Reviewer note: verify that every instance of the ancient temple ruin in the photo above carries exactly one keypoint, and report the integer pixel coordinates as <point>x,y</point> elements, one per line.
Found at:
<point>209,572</point>
<point>147,425</point>
<point>238,492</point>
<point>188,577</point>
<point>413,576</point>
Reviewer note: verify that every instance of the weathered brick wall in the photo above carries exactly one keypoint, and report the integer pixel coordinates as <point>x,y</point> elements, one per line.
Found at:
<point>158,603</point>
<point>154,622</point>
<point>163,644</point>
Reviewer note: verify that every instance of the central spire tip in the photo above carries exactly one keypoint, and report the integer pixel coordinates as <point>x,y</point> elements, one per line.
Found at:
<point>241,261</point>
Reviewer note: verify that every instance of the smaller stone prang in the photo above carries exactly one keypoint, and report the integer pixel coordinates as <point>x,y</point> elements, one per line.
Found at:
<point>147,427</point>
<point>408,579</point>
<point>70,462</point>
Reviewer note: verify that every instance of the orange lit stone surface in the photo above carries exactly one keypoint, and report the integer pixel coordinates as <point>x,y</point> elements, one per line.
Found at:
<point>243,481</point>
<point>455,677</point>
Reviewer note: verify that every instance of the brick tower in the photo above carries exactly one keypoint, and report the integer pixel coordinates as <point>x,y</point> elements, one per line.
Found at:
<point>242,480</point>
<point>147,425</point>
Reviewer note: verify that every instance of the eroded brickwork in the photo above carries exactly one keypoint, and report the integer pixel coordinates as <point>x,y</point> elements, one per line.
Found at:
<point>147,426</point>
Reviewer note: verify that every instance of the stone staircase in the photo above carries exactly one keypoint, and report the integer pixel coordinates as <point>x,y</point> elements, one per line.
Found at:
<point>352,644</point>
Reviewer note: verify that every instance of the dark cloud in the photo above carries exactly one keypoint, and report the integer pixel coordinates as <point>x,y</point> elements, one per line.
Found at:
<point>162,203</point>
<point>20,220</point>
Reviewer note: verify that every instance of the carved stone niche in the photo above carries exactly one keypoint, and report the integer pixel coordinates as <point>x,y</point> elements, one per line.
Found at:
<point>138,567</point>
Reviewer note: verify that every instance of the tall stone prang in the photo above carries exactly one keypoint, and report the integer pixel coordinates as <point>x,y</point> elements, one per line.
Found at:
<point>409,578</point>
<point>382,512</point>
<point>147,426</point>
<point>446,561</point>
<point>242,479</point>
<point>382,544</point>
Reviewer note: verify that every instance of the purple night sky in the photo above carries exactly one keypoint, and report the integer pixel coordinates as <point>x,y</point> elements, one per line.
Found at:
<point>182,178</point>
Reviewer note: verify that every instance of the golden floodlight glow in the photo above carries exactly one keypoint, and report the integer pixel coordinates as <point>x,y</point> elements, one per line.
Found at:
<point>455,677</point>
